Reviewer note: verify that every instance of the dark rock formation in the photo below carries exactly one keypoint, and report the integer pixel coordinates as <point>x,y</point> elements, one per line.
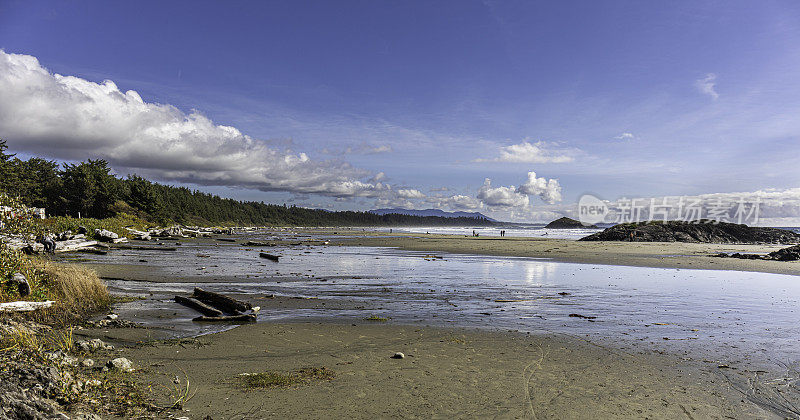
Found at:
<point>703,231</point>
<point>791,253</point>
<point>567,223</point>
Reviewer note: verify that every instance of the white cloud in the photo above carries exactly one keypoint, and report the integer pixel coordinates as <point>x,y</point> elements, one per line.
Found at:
<point>410,193</point>
<point>707,85</point>
<point>547,189</point>
<point>526,152</point>
<point>456,202</point>
<point>70,118</point>
<point>625,136</point>
<point>501,196</point>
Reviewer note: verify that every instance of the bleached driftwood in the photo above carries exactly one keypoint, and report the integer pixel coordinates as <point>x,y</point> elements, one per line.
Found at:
<point>74,245</point>
<point>25,306</point>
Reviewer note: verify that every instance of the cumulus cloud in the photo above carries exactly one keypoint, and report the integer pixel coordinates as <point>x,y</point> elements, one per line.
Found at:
<point>456,202</point>
<point>410,193</point>
<point>70,118</point>
<point>625,136</point>
<point>707,85</point>
<point>501,196</point>
<point>547,189</point>
<point>526,152</point>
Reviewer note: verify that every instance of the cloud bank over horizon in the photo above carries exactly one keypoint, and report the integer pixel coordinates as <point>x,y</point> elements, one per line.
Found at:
<point>70,118</point>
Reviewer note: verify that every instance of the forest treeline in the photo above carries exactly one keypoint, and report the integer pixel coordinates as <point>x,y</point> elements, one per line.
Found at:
<point>89,188</point>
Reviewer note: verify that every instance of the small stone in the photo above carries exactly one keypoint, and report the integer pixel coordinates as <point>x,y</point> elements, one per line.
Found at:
<point>399,355</point>
<point>94,382</point>
<point>112,316</point>
<point>121,364</point>
<point>87,363</point>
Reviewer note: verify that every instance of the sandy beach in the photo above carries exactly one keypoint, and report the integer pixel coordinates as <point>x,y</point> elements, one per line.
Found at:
<point>639,254</point>
<point>458,372</point>
<point>446,373</point>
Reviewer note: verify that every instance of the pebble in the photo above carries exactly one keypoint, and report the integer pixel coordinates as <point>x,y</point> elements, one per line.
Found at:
<point>399,355</point>
<point>87,363</point>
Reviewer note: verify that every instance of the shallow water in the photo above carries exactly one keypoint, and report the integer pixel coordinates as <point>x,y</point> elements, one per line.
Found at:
<point>726,316</point>
<point>518,231</point>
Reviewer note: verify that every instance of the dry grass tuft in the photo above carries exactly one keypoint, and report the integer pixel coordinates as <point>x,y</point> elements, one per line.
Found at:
<point>76,288</point>
<point>281,379</point>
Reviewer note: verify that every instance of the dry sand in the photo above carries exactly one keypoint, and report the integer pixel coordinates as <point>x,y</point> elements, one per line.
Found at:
<point>447,373</point>
<point>640,254</point>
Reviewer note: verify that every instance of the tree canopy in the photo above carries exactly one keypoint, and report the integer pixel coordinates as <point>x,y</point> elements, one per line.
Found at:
<point>90,189</point>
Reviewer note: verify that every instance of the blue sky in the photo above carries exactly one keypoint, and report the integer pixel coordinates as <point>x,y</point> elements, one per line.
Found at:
<point>613,98</point>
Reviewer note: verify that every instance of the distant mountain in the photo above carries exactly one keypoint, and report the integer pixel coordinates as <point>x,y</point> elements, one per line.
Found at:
<point>432,212</point>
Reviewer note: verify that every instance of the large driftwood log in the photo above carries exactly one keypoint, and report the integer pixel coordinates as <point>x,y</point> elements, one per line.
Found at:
<point>198,306</point>
<point>74,245</point>
<point>221,302</point>
<point>232,318</point>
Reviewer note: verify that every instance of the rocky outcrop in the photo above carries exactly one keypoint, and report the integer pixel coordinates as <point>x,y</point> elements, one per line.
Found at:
<point>567,223</point>
<point>791,253</point>
<point>702,231</point>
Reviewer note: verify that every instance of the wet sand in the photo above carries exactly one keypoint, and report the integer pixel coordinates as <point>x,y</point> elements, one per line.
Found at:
<point>447,373</point>
<point>639,254</point>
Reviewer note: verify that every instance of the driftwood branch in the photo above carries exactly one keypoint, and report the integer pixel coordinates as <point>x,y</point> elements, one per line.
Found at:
<point>198,306</point>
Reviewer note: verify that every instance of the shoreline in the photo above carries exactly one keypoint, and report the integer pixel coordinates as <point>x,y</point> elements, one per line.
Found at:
<point>637,254</point>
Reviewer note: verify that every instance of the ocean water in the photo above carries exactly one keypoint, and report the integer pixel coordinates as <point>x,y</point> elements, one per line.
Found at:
<point>726,317</point>
<point>514,231</point>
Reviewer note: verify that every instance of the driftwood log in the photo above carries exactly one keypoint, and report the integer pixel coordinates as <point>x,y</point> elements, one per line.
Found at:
<point>232,318</point>
<point>221,302</point>
<point>226,239</point>
<point>198,306</point>
<point>256,243</point>
<point>24,306</point>
<point>269,256</point>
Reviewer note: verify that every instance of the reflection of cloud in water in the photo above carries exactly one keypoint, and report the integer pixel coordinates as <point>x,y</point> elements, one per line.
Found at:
<point>537,271</point>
